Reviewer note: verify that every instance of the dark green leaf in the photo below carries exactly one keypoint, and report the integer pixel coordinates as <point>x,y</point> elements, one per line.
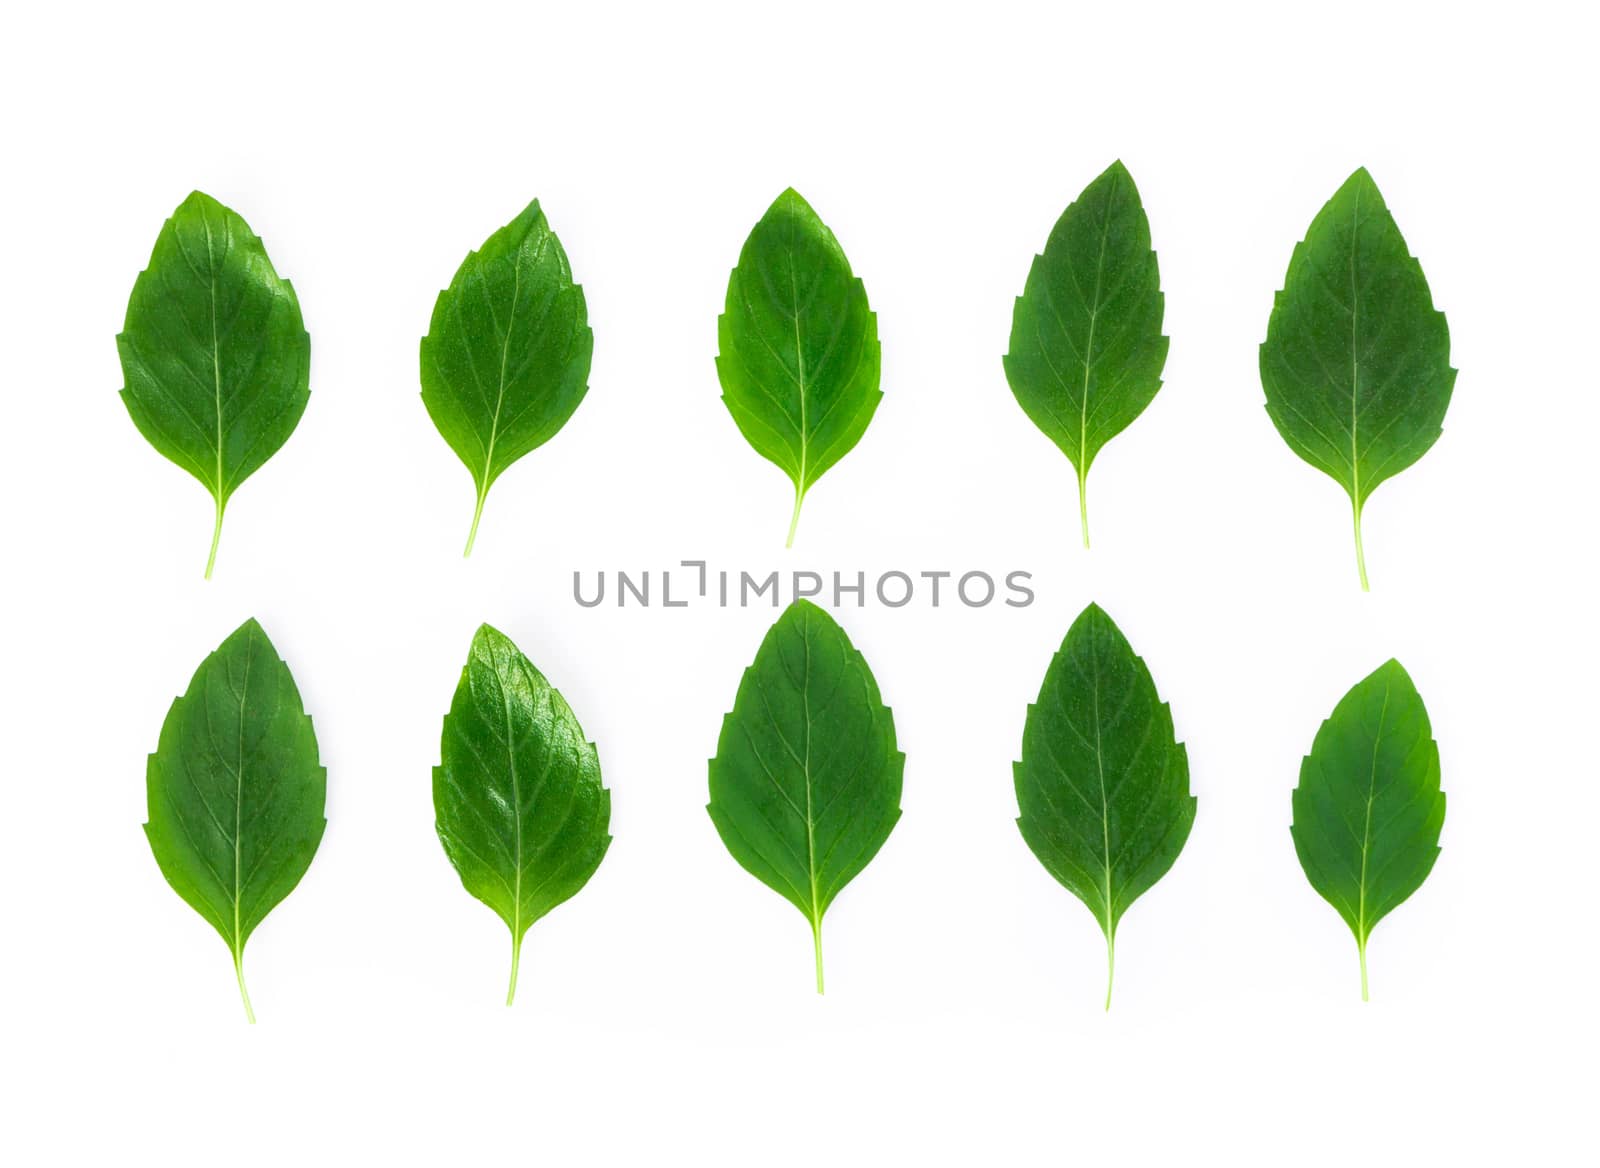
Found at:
<point>798,345</point>
<point>1368,809</point>
<point>235,790</point>
<point>1356,364</point>
<point>520,807</point>
<point>1086,344</point>
<point>1103,785</point>
<point>506,359</point>
<point>215,357</point>
<point>805,787</point>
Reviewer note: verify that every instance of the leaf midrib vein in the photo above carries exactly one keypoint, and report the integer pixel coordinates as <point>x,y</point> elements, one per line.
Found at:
<point>500,393</point>
<point>238,792</point>
<point>1366,831</point>
<point>1088,346</point>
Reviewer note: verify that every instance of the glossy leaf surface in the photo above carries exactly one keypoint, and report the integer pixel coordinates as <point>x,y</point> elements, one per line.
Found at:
<point>798,346</point>
<point>517,796</point>
<point>235,790</point>
<point>1086,344</point>
<point>805,787</point>
<point>1103,784</point>
<point>1368,808</point>
<point>506,359</point>
<point>1356,364</point>
<point>215,358</point>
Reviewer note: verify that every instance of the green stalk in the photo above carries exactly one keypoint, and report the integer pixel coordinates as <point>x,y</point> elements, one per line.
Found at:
<point>216,536</point>
<point>794,519</point>
<point>1361,947</point>
<point>238,972</point>
<point>477,514</point>
<point>516,959</point>
<point>1111,967</point>
<point>1083,504</point>
<point>1361,555</point>
<point>816,945</point>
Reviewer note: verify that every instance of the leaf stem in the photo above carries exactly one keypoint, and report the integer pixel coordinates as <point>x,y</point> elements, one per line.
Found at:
<point>816,945</point>
<point>1083,504</point>
<point>794,518</point>
<point>216,536</point>
<point>1361,555</point>
<point>238,972</point>
<point>1111,967</point>
<point>516,959</point>
<point>477,514</point>
<point>1361,947</point>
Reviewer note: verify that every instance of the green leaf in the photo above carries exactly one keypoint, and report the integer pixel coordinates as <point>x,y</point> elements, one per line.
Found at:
<point>1356,364</point>
<point>1086,345</point>
<point>519,804</point>
<point>1103,785</point>
<point>805,787</point>
<point>1368,809</point>
<point>235,790</point>
<point>506,359</point>
<point>798,347</point>
<point>215,358</point>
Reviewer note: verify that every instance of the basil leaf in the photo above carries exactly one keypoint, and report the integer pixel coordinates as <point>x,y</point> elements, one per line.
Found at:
<point>215,358</point>
<point>506,359</point>
<point>798,347</point>
<point>1086,345</point>
<point>805,787</point>
<point>1103,785</point>
<point>1356,364</point>
<point>517,796</point>
<point>1368,809</point>
<point>235,790</point>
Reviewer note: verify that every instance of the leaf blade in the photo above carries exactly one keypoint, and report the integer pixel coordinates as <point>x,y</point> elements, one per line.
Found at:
<point>520,807</point>
<point>1356,362</point>
<point>1087,351</point>
<point>798,354</point>
<point>214,353</point>
<point>1368,809</point>
<point>235,822</point>
<point>806,782</point>
<point>505,363</point>
<point>1103,784</point>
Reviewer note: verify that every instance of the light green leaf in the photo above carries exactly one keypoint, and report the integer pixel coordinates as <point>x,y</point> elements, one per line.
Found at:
<point>798,345</point>
<point>1356,364</point>
<point>1368,808</point>
<point>235,790</point>
<point>805,787</point>
<point>506,359</point>
<point>1086,344</point>
<point>1103,784</point>
<point>215,359</point>
<point>519,804</point>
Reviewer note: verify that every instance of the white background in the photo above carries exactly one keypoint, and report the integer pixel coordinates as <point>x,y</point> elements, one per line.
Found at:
<point>666,1015</point>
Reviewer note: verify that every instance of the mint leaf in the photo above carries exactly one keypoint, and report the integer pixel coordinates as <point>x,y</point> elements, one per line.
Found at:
<point>1356,364</point>
<point>215,358</point>
<point>235,790</point>
<point>517,796</point>
<point>805,787</point>
<point>506,359</point>
<point>1103,785</point>
<point>1368,808</point>
<point>1086,345</point>
<point>798,347</point>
